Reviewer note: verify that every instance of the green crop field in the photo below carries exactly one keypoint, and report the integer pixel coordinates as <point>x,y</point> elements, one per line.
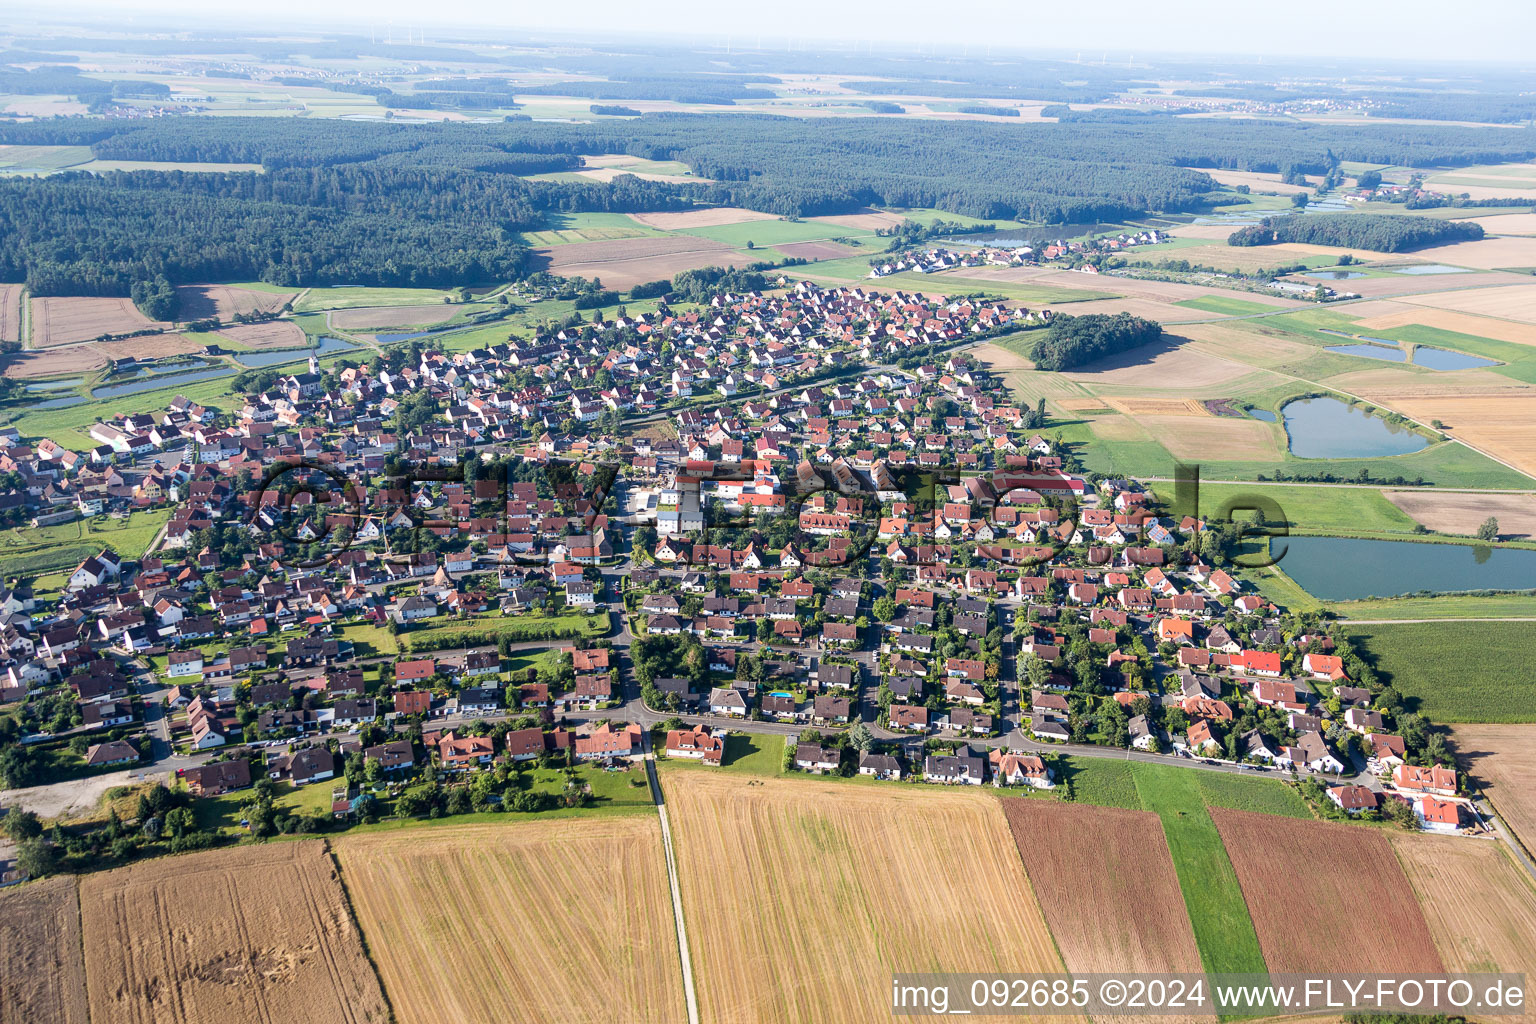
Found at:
<point>1457,671</point>
<point>957,284</point>
<point>773,232</point>
<point>564,228</point>
<point>1223,304</point>
<point>1223,929</point>
<point>346,296</point>
<point>1335,511</point>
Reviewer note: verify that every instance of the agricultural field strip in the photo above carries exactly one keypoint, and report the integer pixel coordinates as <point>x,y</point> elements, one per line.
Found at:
<point>567,920</point>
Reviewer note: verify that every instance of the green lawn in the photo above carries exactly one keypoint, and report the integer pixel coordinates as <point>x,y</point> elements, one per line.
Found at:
<point>24,550</point>
<point>1251,793</point>
<point>482,629</point>
<point>1458,671</point>
<point>1217,911</point>
<point>1440,606</point>
<point>1102,782</point>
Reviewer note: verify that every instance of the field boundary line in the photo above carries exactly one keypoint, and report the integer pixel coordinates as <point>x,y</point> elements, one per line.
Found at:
<point>362,936</point>
<point>689,995</point>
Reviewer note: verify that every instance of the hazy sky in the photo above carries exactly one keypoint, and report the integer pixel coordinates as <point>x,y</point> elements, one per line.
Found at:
<point>1472,30</point>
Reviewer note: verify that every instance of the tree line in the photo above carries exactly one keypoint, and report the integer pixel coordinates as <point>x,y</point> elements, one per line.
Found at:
<point>1383,232</point>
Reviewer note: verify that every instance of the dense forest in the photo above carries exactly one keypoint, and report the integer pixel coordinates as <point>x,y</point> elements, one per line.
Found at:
<point>1383,232</point>
<point>396,204</point>
<point>1074,340</point>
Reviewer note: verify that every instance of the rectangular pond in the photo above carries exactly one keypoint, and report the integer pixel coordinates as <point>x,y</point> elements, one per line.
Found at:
<point>1350,569</point>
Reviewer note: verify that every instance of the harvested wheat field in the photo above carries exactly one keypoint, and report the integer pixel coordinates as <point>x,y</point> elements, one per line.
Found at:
<point>1083,860</point>
<point>63,320</point>
<point>1216,437</point>
<point>272,334</point>
<point>1485,253</point>
<point>1388,382</point>
<point>44,975</point>
<point>363,317</point>
<point>10,312</point>
<point>1508,223</point>
<point>153,346</point>
<point>1480,905</point>
<point>1166,366</point>
<point>1322,895</point>
<point>1510,302</point>
<point>1001,359</point>
<point>624,263</point>
<point>869,220</point>
<point>1497,424</point>
<point>714,217</point>
<point>1503,759</point>
<point>55,361</point>
<point>567,920</point>
<point>201,301</point>
<point>254,934</point>
<point>1447,320</point>
<point>1452,512</point>
<point>802,897</point>
<point>1159,406</point>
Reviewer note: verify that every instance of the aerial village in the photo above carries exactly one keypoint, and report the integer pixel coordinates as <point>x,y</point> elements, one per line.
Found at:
<point>773,517</point>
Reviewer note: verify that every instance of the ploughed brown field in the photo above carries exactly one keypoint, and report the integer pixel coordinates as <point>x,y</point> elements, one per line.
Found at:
<point>565,921</point>
<point>201,301</point>
<point>254,934</point>
<point>1480,905</point>
<point>802,897</point>
<point>64,320</point>
<point>1450,512</point>
<point>625,262</point>
<point>1089,862</point>
<point>274,334</point>
<point>424,315</point>
<point>1326,897</point>
<point>1503,759</point>
<point>43,974</point>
